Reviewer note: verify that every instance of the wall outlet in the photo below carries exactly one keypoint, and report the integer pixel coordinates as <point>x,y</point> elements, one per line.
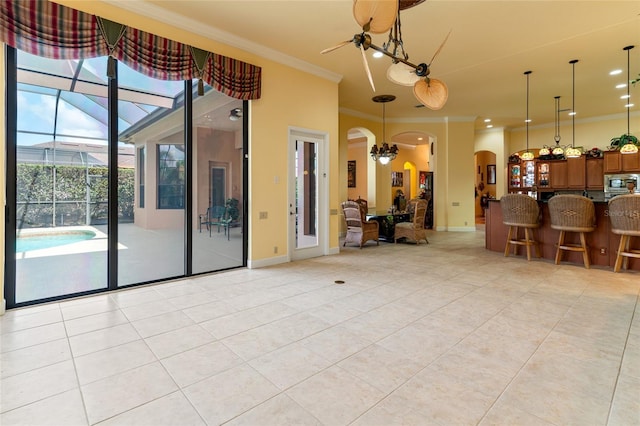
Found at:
<point>263,215</point>
<point>455,203</point>
<point>603,250</point>
<point>275,249</point>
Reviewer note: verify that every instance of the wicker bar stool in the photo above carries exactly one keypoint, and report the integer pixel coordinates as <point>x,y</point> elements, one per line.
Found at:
<point>520,211</point>
<point>572,213</point>
<point>624,213</point>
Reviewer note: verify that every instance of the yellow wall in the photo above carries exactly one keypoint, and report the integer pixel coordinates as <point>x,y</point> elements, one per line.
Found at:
<point>290,98</point>
<point>452,165</point>
<point>482,160</point>
<point>589,133</point>
<point>358,153</point>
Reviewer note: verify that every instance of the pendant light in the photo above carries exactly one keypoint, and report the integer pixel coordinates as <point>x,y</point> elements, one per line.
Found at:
<point>385,154</point>
<point>573,152</point>
<point>527,155</point>
<point>628,146</point>
<point>558,151</point>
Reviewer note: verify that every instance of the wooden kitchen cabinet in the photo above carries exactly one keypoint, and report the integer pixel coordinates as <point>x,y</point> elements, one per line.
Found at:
<point>612,162</point>
<point>558,174</point>
<point>595,174</point>
<point>576,172</point>
<point>630,162</point>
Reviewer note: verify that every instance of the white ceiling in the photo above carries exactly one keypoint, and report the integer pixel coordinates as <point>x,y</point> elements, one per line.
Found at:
<point>492,43</point>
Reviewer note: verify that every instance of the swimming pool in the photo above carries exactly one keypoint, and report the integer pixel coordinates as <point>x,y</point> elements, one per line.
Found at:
<point>41,240</point>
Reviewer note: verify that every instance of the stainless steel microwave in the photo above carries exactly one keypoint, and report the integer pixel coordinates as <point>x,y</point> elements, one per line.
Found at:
<point>616,184</point>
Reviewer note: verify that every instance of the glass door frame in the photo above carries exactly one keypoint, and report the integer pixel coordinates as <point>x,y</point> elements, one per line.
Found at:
<point>11,95</point>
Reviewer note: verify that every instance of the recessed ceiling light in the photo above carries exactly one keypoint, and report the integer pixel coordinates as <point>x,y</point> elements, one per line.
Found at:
<point>378,54</point>
<point>615,72</point>
<point>572,113</point>
<point>625,96</point>
<point>420,138</point>
<point>489,126</point>
<point>628,105</point>
<point>487,120</point>
<point>527,121</point>
<point>621,86</point>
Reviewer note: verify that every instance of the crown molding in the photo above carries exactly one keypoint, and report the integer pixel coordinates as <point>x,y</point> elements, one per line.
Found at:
<point>144,8</point>
<point>619,116</point>
<point>377,118</point>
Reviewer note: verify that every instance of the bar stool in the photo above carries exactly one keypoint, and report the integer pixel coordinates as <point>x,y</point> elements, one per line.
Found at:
<point>520,211</point>
<point>624,213</point>
<point>572,213</point>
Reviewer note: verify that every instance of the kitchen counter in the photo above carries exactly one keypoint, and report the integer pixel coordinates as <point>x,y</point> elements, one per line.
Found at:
<point>602,243</point>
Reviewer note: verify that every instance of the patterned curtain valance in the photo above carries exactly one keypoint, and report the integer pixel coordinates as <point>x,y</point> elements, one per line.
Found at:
<point>50,30</point>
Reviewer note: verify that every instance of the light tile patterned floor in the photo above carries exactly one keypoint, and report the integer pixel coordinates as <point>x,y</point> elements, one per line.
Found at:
<point>440,334</point>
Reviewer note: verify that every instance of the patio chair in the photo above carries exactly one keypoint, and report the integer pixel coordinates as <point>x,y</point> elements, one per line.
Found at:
<point>219,217</point>
<point>203,219</point>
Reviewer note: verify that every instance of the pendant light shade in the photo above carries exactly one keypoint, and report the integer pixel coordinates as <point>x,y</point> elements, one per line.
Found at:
<point>573,152</point>
<point>528,155</point>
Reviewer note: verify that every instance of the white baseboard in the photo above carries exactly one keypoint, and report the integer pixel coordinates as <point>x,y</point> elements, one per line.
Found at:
<point>282,259</point>
<point>253,264</point>
<point>462,229</point>
<point>456,229</point>
<point>3,308</point>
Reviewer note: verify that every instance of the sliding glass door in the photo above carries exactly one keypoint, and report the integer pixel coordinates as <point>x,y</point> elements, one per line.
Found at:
<point>61,175</point>
<point>177,154</point>
<point>151,237</point>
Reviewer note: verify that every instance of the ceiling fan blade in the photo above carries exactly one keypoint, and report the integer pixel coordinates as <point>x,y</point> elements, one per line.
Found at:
<point>337,46</point>
<point>366,67</point>
<point>375,16</point>
<point>440,48</point>
<point>431,92</point>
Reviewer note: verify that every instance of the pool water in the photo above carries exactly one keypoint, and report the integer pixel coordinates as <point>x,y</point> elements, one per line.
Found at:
<point>42,240</point>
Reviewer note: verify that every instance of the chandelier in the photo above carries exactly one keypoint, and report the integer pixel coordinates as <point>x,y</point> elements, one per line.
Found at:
<point>385,153</point>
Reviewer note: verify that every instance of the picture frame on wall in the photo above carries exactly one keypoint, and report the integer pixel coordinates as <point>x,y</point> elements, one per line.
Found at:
<point>491,174</point>
<point>351,173</point>
<point>422,180</point>
<point>396,179</point>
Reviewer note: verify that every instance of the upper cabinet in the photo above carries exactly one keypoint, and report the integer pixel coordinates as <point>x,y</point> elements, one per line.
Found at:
<point>558,170</point>
<point>630,162</point>
<point>615,162</point>
<point>595,173</point>
<point>576,172</point>
<point>612,162</point>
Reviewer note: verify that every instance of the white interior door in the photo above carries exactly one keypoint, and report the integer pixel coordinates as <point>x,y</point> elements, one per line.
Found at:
<point>307,195</point>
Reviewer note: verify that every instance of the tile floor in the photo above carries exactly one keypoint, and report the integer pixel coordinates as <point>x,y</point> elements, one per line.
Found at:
<point>438,334</point>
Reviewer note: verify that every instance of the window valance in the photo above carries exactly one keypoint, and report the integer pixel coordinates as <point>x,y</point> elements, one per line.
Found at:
<point>54,31</point>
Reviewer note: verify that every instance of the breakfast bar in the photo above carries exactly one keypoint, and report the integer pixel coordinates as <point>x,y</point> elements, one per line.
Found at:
<point>602,243</point>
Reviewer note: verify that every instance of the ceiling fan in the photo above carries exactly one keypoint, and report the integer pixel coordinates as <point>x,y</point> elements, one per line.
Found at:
<point>379,16</point>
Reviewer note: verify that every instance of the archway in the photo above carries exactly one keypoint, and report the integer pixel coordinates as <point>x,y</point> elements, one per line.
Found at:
<point>485,181</point>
